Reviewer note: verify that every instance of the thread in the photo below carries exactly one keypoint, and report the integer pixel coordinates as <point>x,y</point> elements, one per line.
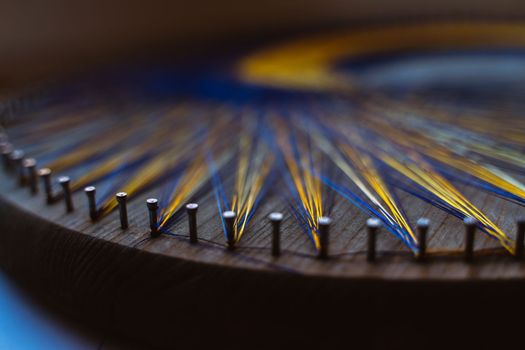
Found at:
<point>249,146</point>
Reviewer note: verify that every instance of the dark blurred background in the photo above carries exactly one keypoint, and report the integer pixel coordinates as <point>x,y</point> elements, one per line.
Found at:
<point>45,38</point>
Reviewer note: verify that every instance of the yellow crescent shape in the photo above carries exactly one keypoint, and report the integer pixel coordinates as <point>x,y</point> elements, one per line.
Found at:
<point>309,63</point>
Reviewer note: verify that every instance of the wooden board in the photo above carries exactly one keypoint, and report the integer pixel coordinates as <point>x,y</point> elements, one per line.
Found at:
<point>347,240</point>
<point>165,292</point>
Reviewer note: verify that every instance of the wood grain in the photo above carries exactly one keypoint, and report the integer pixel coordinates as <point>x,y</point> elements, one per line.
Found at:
<point>166,292</point>
<point>347,242</point>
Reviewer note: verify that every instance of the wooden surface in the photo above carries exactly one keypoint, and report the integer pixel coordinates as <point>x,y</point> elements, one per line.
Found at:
<point>347,239</point>
<point>166,301</point>
<point>167,293</point>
